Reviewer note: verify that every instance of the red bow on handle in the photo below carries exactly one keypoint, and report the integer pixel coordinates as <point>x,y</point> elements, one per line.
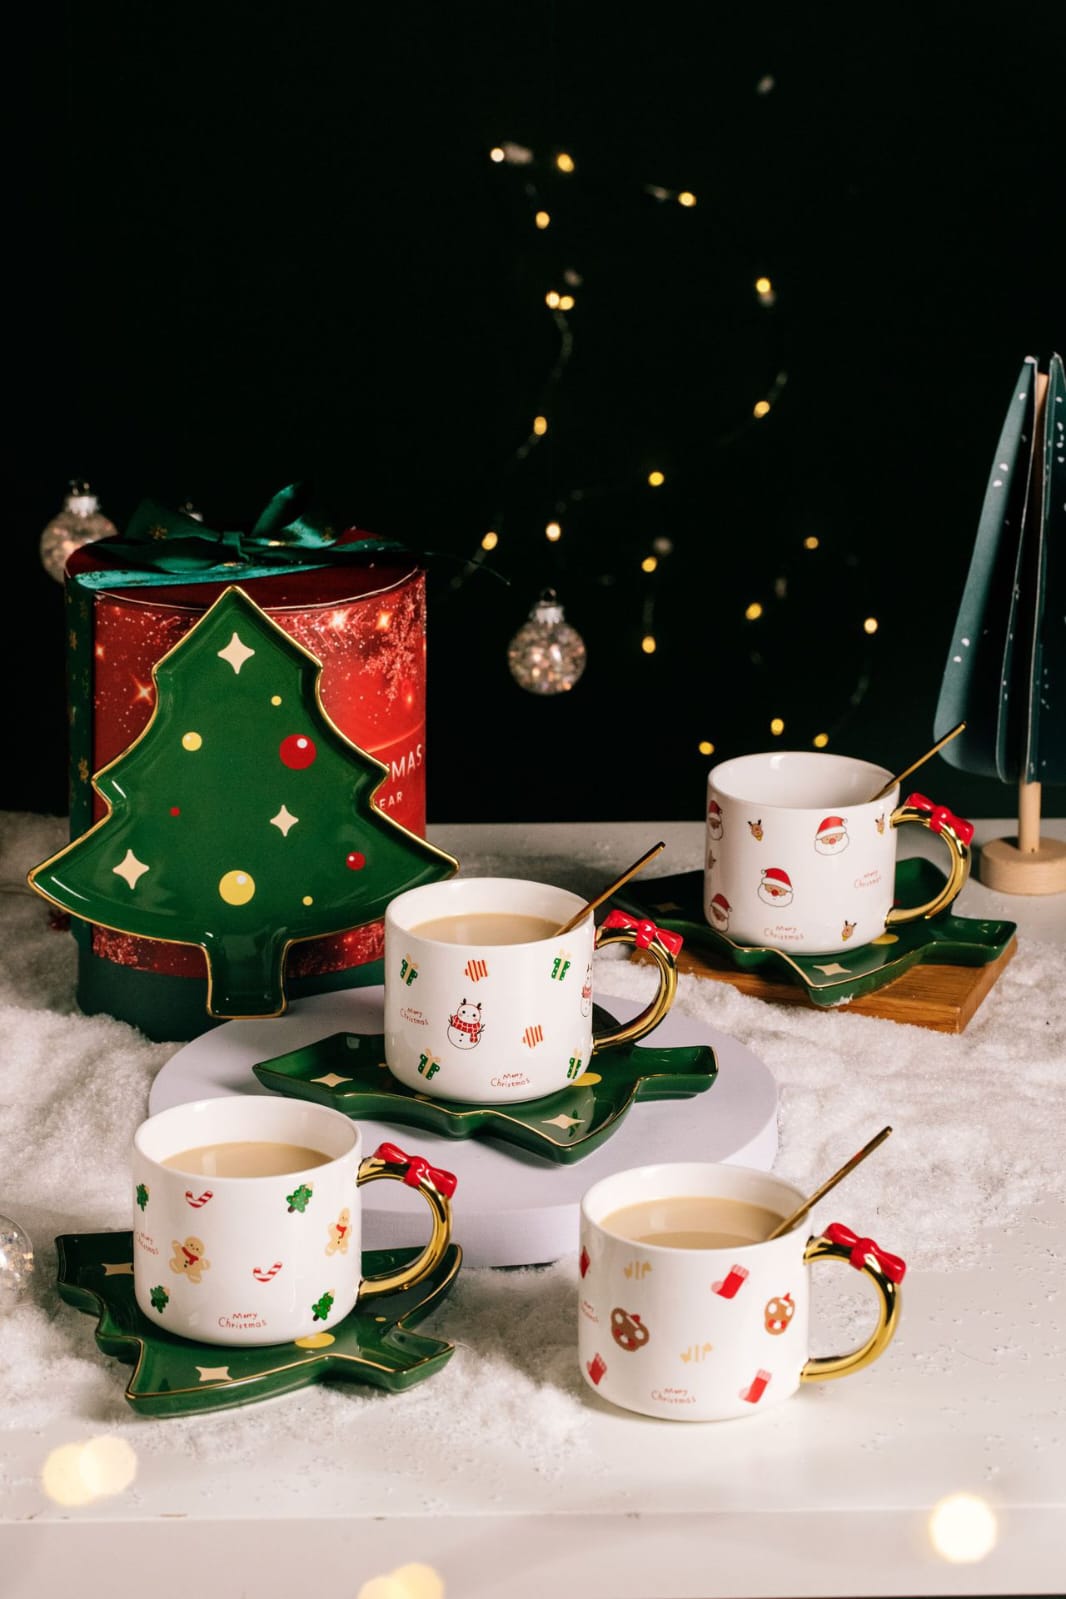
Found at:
<point>892,1265</point>
<point>940,816</point>
<point>645,930</point>
<point>418,1167</point>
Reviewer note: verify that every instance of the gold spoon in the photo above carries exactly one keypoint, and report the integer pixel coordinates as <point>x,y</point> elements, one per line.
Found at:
<point>831,1182</point>
<point>939,745</point>
<point>579,916</point>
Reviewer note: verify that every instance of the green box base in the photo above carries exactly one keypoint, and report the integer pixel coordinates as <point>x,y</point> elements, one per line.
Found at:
<point>174,1009</point>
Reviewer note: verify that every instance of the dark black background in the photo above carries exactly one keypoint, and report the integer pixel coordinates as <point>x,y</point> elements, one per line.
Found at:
<point>256,244</point>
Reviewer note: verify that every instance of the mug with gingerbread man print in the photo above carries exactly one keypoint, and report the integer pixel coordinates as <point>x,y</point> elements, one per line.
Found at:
<point>246,1219</point>
<point>801,858</point>
<point>689,1310</point>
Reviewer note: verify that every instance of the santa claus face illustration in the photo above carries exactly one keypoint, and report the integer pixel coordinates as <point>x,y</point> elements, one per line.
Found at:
<point>718,913</point>
<point>776,887</point>
<point>714,819</point>
<point>832,836</point>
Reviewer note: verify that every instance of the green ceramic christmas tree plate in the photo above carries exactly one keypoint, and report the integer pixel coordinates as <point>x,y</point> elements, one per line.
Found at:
<point>347,1071</point>
<point>676,903</point>
<point>176,1377</point>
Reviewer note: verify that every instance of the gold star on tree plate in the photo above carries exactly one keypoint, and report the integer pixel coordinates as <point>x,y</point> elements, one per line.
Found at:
<point>175,1376</point>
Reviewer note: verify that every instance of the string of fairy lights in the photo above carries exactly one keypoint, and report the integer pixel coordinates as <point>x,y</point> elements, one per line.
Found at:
<point>546,656</point>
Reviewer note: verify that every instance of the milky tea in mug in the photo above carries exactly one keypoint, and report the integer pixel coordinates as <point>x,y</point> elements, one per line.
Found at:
<point>487,1003</point>
<point>689,1310</point>
<point>800,857</point>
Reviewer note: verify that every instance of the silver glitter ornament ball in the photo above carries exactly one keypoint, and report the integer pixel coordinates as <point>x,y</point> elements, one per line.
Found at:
<point>546,655</point>
<point>79,522</point>
<point>16,1263</point>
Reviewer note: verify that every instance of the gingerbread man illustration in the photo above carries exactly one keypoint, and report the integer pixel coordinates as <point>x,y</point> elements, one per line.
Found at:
<point>340,1232</point>
<point>188,1258</point>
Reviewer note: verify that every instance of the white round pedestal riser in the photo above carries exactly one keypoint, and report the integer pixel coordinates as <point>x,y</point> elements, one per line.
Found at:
<point>511,1208</point>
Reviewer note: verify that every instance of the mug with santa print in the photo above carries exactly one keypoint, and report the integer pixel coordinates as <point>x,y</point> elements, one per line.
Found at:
<point>689,1310</point>
<point>800,858</point>
<point>488,1004</point>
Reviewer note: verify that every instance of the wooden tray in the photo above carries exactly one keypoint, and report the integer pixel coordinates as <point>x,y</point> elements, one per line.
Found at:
<point>943,998</point>
<point>931,973</point>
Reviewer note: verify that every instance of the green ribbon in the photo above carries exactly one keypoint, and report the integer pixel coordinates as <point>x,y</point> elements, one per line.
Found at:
<point>162,546</point>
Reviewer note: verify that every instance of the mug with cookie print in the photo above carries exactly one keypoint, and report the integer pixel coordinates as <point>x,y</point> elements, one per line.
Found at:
<point>486,1003</point>
<point>688,1310</point>
<point>246,1219</point>
<point>801,858</point>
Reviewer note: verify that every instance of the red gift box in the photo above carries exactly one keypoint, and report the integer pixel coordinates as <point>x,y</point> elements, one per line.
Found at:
<point>365,620</point>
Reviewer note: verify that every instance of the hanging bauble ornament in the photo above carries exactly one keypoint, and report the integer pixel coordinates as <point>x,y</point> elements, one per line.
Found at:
<point>16,1263</point>
<point>546,655</point>
<point>79,522</point>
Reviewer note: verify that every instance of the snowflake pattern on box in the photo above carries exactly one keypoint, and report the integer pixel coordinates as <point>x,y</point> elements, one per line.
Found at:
<point>241,819</point>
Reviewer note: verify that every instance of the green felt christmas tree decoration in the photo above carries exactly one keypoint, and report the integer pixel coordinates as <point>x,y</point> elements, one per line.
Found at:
<point>1006,669</point>
<point>241,819</point>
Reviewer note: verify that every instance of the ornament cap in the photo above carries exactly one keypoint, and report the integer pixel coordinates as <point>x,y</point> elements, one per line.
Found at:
<point>79,498</point>
<point>547,608</point>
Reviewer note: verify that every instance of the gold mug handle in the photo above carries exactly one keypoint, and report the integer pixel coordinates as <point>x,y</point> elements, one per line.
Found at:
<point>436,1187</point>
<point>840,1243</point>
<point>957,835</point>
<point>663,946</point>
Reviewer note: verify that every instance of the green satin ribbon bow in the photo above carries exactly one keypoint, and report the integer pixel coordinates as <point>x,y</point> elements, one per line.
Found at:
<point>162,546</point>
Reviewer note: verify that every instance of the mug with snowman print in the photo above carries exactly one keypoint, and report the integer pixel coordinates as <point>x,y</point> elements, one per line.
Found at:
<point>800,858</point>
<point>486,1003</point>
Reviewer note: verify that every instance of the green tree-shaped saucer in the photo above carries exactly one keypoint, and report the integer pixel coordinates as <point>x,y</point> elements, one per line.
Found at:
<point>175,1376</point>
<point>676,903</point>
<point>347,1071</point>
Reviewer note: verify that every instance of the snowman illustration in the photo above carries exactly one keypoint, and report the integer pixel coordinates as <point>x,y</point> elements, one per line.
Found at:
<point>465,1026</point>
<point>718,913</point>
<point>714,819</point>
<point>586,991</point>
<point>776,887</point>
<point>832,836</point>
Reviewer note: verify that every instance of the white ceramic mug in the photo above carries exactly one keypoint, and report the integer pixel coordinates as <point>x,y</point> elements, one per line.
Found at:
<point>708,1334</point>
<point>489,1024</point>
<point>800,857</point>
<point>264,1259</point>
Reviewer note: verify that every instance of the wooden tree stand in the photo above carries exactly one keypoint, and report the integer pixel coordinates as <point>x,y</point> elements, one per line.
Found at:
<point>1027,864</point>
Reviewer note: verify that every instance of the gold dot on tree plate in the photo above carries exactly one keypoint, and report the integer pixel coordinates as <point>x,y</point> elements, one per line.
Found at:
<point>885,938</point>
<point>236,888</point>
<point>315,1340</point>
<point>587,1079</point>
<point>191,741</point>
<point>275,699</point>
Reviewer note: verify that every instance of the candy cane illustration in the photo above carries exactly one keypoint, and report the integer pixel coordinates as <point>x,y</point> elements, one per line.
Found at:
<point>198,1201</point>
<point>262,1276</point>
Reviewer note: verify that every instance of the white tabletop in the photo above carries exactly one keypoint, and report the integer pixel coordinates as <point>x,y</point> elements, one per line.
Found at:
<point>833,1493</point>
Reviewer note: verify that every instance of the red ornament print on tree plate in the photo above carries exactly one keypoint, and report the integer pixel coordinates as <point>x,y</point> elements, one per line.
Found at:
<point>297,752</point>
